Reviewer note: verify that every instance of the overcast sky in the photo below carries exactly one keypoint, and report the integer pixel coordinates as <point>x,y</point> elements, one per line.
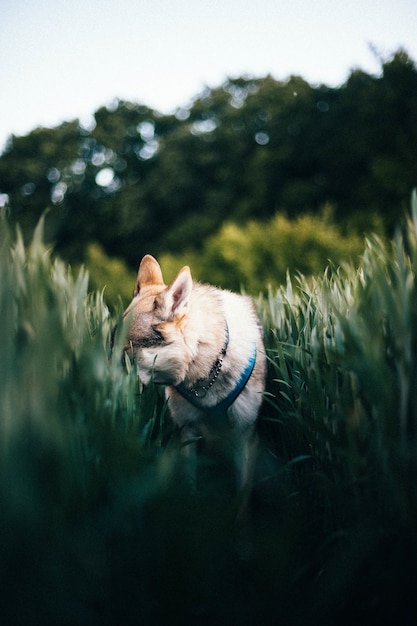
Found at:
<point>63,60</point>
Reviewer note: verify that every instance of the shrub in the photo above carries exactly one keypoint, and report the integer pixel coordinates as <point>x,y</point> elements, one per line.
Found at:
<point>111,274</point>
<point>256,254</point>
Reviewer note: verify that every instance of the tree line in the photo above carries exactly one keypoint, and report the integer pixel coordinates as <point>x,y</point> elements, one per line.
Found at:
<point>136,181</point>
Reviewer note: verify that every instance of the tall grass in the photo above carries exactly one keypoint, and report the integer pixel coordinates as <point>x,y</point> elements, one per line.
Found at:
<point>97,526</point>
<point>343,350</point>
<point>75,436</point>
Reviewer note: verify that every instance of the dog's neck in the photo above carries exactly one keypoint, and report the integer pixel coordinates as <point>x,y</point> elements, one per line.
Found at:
<point>205,336</point>
<point>197,391</point>
<point>201,386</point>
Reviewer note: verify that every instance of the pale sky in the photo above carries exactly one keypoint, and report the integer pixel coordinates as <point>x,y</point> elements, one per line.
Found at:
<point>63,60</point>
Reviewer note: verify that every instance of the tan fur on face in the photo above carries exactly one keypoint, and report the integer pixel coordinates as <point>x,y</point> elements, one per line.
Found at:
<point>156,312</point>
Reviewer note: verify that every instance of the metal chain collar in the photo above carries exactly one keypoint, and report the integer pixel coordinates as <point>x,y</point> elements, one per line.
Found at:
<point>201,387</point>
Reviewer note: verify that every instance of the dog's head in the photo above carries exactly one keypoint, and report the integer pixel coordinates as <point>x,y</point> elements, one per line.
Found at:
<point>157,319</point>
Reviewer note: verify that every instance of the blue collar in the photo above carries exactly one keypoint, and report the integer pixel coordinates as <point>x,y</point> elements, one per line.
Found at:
<point>219,410</point>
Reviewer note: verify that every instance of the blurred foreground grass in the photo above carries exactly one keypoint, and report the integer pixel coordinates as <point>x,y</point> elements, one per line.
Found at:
<point>96,525</point>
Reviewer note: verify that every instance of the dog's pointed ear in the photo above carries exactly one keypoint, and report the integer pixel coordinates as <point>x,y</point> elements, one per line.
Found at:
<point>149,274</point>
<point>178,292</point>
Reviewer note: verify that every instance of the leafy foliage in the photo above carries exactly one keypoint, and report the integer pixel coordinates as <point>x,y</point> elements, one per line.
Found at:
<point>110,274</point>
<point>255,255</point>
<point>138,182</point>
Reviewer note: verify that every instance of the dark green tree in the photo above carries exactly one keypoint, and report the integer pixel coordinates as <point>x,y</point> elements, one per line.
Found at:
<point>137,181</point>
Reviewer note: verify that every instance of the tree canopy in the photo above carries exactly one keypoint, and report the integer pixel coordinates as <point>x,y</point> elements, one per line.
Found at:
<point>136,181</point>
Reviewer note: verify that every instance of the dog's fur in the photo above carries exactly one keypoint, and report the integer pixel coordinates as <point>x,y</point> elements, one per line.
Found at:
<point>177,333</point>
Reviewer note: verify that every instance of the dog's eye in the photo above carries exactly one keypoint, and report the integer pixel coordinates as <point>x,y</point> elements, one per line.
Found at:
<point>152,339</point>
<point>157,336</point>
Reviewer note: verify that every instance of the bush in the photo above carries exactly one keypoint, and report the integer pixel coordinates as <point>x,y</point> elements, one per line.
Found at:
<point>258,254</point>
<point>111,275</point>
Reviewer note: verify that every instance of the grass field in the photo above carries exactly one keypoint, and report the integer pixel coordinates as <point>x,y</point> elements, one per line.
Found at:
<point>96,525</point>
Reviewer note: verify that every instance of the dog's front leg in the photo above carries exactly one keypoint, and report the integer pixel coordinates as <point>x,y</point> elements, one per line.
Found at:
<point>186,417</point>
<point>189,438</point>
<point>246,444</point>
<point>245,449</point>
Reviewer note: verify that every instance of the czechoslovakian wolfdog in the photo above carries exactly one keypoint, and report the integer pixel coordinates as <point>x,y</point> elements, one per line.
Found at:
<point>205,344</point>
